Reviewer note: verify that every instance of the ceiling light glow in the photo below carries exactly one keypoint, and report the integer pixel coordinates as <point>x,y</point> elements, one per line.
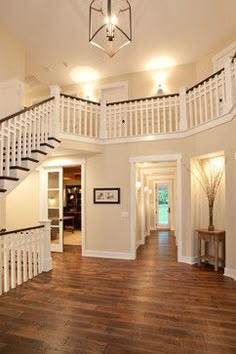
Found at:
<point>161,63</point>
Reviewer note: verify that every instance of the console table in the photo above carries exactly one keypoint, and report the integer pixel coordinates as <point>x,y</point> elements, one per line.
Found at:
<point>214,237</point>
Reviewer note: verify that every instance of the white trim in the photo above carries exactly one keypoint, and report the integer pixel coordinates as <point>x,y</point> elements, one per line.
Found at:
<point>82,139</point>
<point>113,85</point>
<point>83,205</point>
<point>189,260</point>
<point>106,254</point>
<point>230,273</point>
<point>225,118</point>
<point>156,158</point>
<point>223,54</point>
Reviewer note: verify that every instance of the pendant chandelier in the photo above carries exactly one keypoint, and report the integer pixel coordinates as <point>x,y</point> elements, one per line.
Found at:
<point>110,25</point>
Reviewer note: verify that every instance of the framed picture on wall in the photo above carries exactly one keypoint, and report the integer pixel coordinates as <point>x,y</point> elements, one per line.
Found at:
<point>106,195</point>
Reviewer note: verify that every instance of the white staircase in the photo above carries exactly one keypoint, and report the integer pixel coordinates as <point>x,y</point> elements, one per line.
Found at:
<point>26,139</point>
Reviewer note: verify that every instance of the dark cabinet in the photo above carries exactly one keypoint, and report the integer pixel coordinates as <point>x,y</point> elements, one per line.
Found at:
<point>73,204</point>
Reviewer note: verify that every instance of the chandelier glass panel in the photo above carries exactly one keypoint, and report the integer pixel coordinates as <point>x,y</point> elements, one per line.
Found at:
<point>110,25</point>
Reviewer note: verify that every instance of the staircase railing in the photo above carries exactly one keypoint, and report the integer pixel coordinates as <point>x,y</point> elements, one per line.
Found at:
<point>79,116</point>
<point>24,132</point>
<point>205,102</point>
<point>22,255</point>
<point>143,116</point>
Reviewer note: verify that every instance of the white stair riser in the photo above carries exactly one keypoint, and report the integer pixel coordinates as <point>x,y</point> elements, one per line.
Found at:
<point>17,173</point>
<point>7,184</point>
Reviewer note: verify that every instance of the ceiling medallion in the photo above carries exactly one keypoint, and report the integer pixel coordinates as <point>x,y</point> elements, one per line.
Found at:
<point>110,25</point>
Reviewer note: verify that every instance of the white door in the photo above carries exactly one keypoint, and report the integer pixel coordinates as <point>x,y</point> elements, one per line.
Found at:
<point>163,205</point>
<point>55,207</point>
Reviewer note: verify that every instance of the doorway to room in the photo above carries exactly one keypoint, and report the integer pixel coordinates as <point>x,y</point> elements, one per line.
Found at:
<point>163,202</point>
<point>62,202</point>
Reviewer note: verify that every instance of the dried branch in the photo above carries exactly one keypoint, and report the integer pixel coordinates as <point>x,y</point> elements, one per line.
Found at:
<point>209,174</point>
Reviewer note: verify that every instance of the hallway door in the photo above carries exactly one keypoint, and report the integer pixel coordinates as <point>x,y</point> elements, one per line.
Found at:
<point>163,205</point>
<point>55,207</point>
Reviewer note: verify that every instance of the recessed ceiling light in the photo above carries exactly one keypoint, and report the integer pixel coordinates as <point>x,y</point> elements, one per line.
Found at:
<point>160,63</point>
<point>84,74</point>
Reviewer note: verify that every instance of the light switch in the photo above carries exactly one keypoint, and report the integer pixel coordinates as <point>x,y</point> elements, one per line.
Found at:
<point>124,214</point>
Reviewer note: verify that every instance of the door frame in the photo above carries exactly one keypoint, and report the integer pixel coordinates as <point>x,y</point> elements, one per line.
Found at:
<point>179,205</point>
<point>65,162</point>
<point>56,247</point>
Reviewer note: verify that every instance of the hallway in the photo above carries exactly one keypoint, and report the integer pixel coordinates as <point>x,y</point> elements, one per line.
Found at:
<point>151,305</point>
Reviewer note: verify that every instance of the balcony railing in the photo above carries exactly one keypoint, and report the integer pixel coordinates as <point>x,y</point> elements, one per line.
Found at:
<point>205,102</point>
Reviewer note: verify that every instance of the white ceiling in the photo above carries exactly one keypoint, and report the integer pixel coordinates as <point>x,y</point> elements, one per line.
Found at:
<point>55,34</point>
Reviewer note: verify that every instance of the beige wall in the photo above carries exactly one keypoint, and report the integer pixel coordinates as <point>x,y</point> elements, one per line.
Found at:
<point>106,230</point>
<point>142,84</point>
<point>106,227</point>
<point>12,58</point>
<point>22,204</point>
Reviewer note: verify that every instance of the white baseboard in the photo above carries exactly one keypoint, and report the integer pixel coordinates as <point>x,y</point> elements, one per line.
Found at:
<point>105,254</point>
<point>140,243</point>
<point>230,273</point>
<point>188,260</point>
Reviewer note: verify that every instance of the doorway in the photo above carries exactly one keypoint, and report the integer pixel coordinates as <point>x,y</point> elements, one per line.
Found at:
<point>63,202</point>
<point>72,192</point>
<point>154,169</point>
<point>163,201</point>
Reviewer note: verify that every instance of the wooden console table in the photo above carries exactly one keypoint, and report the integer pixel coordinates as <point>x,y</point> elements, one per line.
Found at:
<point>214,237</point>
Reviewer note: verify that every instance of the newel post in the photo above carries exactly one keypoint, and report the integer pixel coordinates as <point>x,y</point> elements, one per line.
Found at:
<point>103,120</point>
<point>228,86</point>
<point>183,109</point>
<point>55,91</point>
<point>46,258</point>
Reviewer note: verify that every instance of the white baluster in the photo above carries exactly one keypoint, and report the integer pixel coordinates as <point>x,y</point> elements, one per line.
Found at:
<point>176,101</point>
<point>58,123</point>
<point>141,117</point>
<point>136,118</point>
<point>1,263</point>
<point>183,108</point>
<point>13,261</point>
<point>19,266</point>
<point>86,119</point>
<point>6,263</point>
<point>24,249</point>
<point>211,100</point>
<point>164,110</point>
<point>68,116</point>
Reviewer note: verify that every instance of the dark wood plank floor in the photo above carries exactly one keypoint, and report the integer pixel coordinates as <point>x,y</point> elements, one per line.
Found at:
<point>151,305</point>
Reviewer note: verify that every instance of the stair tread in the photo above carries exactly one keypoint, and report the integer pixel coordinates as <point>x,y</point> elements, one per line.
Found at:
<point>39,151</point>
<point>9,178</point>
<point>49,145</point>
<point>29,159</point>
<point>52,138</point>
<point>19,168</point>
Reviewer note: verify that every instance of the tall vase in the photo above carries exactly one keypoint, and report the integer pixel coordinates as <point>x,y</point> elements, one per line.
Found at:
<point>211,227</point>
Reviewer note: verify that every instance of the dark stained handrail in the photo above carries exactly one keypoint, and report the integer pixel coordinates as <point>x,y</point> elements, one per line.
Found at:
<point>26,109</point>
<point>21,230</point>
<point>143,99</point>
<point>205,80</point>
<point>80,99</point>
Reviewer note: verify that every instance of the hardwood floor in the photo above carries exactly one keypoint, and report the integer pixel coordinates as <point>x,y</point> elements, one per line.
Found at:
<point>151,305</point>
